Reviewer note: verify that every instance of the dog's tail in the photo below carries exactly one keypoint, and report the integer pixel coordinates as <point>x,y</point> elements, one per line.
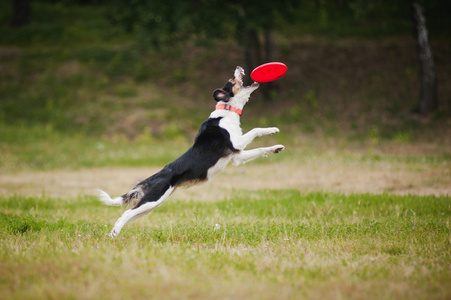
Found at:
<point>106,199</point>
<point>130,199</point>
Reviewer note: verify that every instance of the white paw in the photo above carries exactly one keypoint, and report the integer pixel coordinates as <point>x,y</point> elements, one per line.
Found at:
<point>273,130</point>
<point>267,131</point>
<point>114,233</point>
<point>277,148</point>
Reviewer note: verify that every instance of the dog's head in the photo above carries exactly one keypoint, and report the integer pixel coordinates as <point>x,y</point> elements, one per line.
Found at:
<point>234,93</point>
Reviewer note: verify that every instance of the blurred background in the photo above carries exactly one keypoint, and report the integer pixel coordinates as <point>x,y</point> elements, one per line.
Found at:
<point>128,83</point>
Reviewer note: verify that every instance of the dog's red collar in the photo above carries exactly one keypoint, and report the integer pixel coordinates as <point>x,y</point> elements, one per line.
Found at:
<point>229,107</point>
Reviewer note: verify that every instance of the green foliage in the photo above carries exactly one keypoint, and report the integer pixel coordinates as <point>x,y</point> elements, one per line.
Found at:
<point>161,24</point>
<point>57,24</point>
<point>362,18</point>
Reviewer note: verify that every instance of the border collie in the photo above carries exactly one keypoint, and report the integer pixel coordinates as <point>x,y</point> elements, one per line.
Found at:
<point>219,141</point>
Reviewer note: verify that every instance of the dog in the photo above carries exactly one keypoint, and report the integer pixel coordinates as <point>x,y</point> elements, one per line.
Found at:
<point>219,141</point>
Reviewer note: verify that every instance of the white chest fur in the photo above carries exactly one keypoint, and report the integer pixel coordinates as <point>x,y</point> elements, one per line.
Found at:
<point>232,125</point>
<point>231,122</point>
<point>218,167</point>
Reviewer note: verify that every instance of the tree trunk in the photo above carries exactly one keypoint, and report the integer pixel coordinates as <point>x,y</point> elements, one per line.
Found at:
<point>252,49</point>
<point>21,13</point>
<point>271,87</point>
<point>255,55</point>
<point>268,45</point>
<point>428,93</point>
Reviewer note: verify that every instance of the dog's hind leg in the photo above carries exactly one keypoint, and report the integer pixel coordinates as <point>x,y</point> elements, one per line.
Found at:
<point>134,213</point>
<point>245,156</point>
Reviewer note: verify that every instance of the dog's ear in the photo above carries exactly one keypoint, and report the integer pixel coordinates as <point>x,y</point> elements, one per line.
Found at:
<point>221,95</point>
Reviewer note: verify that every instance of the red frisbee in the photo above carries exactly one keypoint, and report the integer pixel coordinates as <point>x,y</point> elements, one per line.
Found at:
<point>269,72</point>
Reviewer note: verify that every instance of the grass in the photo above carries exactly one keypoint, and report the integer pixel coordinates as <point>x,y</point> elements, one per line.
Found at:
<point>259,245</point>
<point>25,148</point>
<point>76,93</point>
<point>44,148</point>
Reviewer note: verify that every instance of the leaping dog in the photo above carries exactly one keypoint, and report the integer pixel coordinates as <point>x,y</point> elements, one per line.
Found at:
<point>219,141</point>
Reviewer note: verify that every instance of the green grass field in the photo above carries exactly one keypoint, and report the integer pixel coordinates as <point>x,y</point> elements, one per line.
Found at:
<point>264,244</point>
<point>358,206</point>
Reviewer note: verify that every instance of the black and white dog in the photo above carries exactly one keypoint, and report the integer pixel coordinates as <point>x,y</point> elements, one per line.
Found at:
<point>219,141</point>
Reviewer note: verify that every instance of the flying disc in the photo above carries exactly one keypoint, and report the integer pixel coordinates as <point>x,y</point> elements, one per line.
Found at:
<point>269,72</point>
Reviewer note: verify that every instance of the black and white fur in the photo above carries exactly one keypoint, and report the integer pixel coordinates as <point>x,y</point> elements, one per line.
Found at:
<point>220,140</point>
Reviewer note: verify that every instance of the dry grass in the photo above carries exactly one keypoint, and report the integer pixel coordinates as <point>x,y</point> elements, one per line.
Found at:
<point>328,172</point>
<point>295,271</point>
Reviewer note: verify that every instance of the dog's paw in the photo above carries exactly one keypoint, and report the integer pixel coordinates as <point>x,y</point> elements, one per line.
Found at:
<point>267,131</point>
<point>278,148</point>
<point>273,130</point>
<point>114,233</point>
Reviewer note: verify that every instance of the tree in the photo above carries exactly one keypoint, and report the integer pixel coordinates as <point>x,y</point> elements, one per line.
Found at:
<point>21,13</point>
<point>163,23</point>
<point>428,93</point>
<point>428,101</point>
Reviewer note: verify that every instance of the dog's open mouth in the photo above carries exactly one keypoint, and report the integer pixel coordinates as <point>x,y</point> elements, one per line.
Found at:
<point>239,74</point>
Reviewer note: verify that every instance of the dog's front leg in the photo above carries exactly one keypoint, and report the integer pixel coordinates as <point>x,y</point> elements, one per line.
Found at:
<point>245,156</point>
<point>248,137</point>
